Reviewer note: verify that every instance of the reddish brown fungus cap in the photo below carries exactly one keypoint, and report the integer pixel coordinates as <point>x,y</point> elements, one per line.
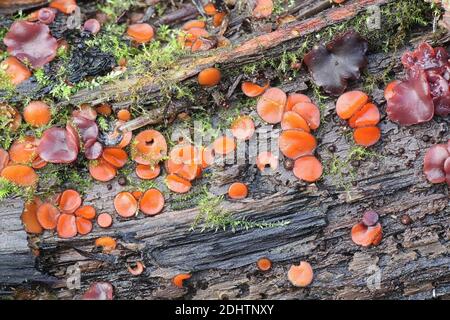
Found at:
<point>434,164</point>
<point>99,291</point>
<point>31,42</point>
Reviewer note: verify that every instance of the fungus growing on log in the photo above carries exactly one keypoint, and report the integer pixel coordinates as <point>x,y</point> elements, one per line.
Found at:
<point>31,42</point>
<point>340,60</point>
<point>308,168</point>
<point>264,264</point>
<point>237,190</point>
<point>15,70</point>
<point>263,9</point>
<point>99,291</point>
<point>125,204</point>
<point>141,32</point>
<point>46,15</point>
<point>425,92</point>
<point>149,148</point>
<point>252,90</point>
<point>243,128</point>
<point>152,202</point>
<point>92,25</point>
<point>104,220</point>
<point>209,77</point>
<point>367,235</point>
<point>301,275</point>
<point>179,279</point>
<point>59,145</point>
<point>296,143</point>
<point>271,105</point>
<point>436,164</point>
<point>37,114</point>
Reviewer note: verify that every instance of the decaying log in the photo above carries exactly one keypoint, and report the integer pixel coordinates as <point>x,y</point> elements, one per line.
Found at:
<point>412,261</point>
<point>249,50</point>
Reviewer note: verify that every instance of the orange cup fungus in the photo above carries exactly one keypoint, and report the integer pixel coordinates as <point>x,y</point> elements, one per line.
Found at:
<point>124,115</point>
<point>179,279</point>
<point>301,275</point>
<point>365,236</point>
<point>101,170</point>
<point>243,128</point>
<point>140,32</point>
<point>362,115</point>
<point>69,201</point>
<point>210,9</point>
<point>295,98</point>
<point>252,90</point>
<point>152,202</point>
<point>24,150</point>
<point>37,114</point>
<point>265,160</point>
<point>178,184</point>
<point>238,190</point>
<point>15,70</point>
<point>125,204</point>
<point>137,269</point>
<point>296,143</point>
<point>65,6</point>
<point>104,220</point>
<point>20,175</point>
<point>308,169</point>
<point>107,244</point>
<point>150,147</point>
<point>209,77</point>
<point>147,172</point>
<point>29,217</point>
<point>271,104</point>
<point>264,264</point>
<point>224,145</point>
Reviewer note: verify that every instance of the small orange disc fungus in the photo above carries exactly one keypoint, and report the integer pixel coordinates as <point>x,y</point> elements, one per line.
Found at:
<point>308,168</point>
<point>24,150</point>
<point>140,32</point>
<point>296,143</point>
<point>177,184</point>
<point>292,120</point>
<point>86,212</point>
<point>104,109</point>
<point>20,175</point>
<point>151,147</point>
<point>365,236</point>
<point>17,71</point>
<point>193,24</point>
<point>101,170</point>
<point>151,202</point>
<point>137,194</point>
<point>209,77</point>
<point>295,98</point>
<point>108,244</point>
<point>243,128</point>
<point>47,216</point>
<point>266,159</point>
<point>137,270</point>
<point>125,204</point>
<point>37,114</point>
<point>309,112</point>
<point>38,163</point>
<point>124,115</point>
<point>264,264</point>
<point>69,201</point>
<point>116,157</point>
<point>66,226</point>
<point>271,105</point>
<point>218,18</point>
<point>84,226</point>
<point>301,275</point>
<point>148,172</point>
<point>224,145</point>
<point>104,220</point>
<point>349,103</point>
<point>369,115</point>
<point>367,136</point>
<point>238,190</point>
<point>179,279</point>
<point>210,9</point>
<point>252,90</point>
<point>65,6</point>
<point>185,171</point>
<point>29,217</point>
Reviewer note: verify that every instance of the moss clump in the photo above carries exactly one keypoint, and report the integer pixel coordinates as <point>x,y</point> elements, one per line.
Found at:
<point>9,189</point>
<point>214,217</point>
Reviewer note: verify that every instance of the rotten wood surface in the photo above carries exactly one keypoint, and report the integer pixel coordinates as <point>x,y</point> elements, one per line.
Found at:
<point>412,261</point>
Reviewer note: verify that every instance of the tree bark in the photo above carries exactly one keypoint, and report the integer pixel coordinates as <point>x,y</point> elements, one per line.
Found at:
<point>412,260</point>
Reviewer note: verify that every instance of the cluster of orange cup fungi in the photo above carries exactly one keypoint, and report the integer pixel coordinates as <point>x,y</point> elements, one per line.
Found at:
<point>18,165</point>
<point>369,231</point>
<point>362,115</point>
<point>63,213</point>
<point>298,116</point>
<point>195,36</point>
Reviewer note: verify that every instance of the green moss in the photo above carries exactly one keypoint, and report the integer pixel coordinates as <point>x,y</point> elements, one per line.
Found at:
<point>9,189</point>
<point>213,216</point>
